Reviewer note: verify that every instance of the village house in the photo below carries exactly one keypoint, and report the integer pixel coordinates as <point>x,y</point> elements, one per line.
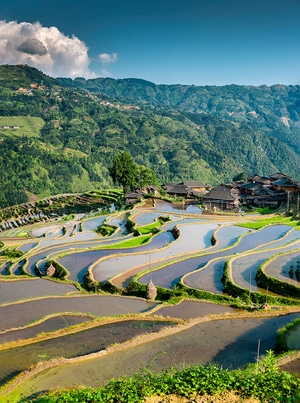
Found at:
<point>186,189</point>
<point>222,197</point>
<point>258,195</point>
<point>258,191</point>
<point>179,190</point>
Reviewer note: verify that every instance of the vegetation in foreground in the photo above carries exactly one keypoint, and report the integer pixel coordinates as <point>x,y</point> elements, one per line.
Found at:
<point>263,381</point>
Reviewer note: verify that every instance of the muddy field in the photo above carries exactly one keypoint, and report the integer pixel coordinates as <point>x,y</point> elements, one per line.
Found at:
<point>232,343</point>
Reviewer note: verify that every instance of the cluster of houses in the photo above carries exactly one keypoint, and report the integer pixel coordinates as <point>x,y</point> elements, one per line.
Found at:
<point>258,191</point>
<point>33,86</point>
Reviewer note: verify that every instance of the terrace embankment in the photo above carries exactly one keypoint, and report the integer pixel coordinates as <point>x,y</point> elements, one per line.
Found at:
<point>230,340</point>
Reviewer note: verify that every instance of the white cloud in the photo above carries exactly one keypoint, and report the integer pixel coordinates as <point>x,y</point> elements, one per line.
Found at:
<point>106,58</point>
<point>47,49</point>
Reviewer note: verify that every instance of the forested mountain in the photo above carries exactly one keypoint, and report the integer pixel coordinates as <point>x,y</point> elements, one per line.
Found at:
<point>61,135</point>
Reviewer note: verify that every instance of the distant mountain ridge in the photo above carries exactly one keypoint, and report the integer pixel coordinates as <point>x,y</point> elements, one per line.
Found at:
<point>69,131</point>
<point>275,110</point>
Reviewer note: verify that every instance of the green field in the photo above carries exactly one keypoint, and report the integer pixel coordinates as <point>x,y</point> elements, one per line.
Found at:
<point>21,126</point>
<point>276,220</point>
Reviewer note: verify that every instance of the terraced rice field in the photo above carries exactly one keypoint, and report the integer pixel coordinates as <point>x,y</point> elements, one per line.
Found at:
<point>101,336</point>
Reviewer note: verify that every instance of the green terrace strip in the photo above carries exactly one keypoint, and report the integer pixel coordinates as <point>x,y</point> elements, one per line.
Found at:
<point>150,229</point>
<point>270,221</point>
<point>136,241</point>
<point>263,381</point>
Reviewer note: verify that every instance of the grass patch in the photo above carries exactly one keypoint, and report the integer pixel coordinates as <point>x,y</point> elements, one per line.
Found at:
<point>130,243</point>
<point>68,217</point>
<point>151,228</point>
<point>270,221</point>
<point>21,126</point>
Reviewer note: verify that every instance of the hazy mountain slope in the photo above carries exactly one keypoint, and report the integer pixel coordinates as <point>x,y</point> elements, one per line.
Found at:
<point>275,110</point>
<point>63,136</point>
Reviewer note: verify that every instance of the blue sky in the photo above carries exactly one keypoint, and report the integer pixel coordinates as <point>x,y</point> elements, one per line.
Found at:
<point>201,42</point>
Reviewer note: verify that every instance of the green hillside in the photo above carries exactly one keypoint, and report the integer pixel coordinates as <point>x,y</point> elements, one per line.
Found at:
<point>61,135</point>
<point>21,126</point>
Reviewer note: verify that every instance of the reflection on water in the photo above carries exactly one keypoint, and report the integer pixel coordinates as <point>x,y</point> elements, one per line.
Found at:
<point>92,223</point>
<point>20,314</point>
<point>286,267</point>
<point>78,263</point>
<point>49,325</point>
<point>24,289</point>
<point>231,343</point>
<point>25,248</point>
<point>177,207</point>
<point>195,238</point>
<point>169,276</point>
<point>73,345</point>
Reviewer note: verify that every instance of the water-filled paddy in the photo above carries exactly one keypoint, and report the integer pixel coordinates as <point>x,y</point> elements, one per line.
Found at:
<point>20,314</point>
<point>165,206</point>
<point>284,267</point>
<point>291,236</point>
<point>244,268</point>
<point>293,340</point>
<point>78,263</point>
<point>12,291</point>
<point>192,309</point>
<point>208,278</point>
<point>194,237</point>
<point>48,325</point>
<point>92,223</point>
<point>13,361</point>
<point>231,343</point>
<point>169,276</point>
<point>27,247</point>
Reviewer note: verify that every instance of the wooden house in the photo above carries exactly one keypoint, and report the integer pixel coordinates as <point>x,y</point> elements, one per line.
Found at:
<point>177,190</point>
<point>222,197</point>
<point>259,195</point>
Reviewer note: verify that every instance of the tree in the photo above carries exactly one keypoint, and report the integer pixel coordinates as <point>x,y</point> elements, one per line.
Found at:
<point>145,177</point>
<point>129,174</point>
<point>124,171</point>
<point>242,176</point>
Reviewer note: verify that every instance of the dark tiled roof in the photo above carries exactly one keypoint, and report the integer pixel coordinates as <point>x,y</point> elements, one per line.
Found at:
<point>279,175</point>
<point>222,192</point>
<point>260,179</point>
<point>176,189</point>
<point>286,182</point>
<point>191,184</point>
<point>249,185</point>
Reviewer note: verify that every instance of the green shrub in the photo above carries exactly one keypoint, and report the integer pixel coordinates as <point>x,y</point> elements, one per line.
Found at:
<point>264,382</point>
<point>275,285</point>
<point>106,229</point>
<point>12,253</point>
